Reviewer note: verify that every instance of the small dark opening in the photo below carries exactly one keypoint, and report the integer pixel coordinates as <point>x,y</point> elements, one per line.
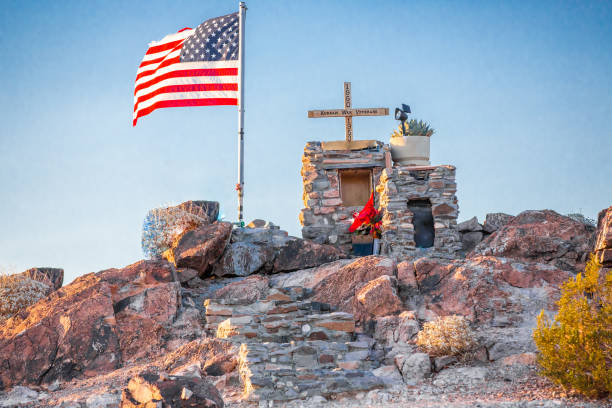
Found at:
<point>423,223</point>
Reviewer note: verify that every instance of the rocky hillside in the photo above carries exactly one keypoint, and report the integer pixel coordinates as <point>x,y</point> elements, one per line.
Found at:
<point>254,317</point>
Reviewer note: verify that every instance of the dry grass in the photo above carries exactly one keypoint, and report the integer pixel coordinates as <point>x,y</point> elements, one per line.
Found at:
<point>162,226</point>
<point>17,292</point>
<point>447,335</point>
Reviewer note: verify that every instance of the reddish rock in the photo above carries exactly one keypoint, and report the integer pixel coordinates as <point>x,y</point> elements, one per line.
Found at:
<point>541,236</point>
<point>520,359</point>
<point>200,248</point>
<point>495,290</point>
<point>301,254</point>
<point>308,278</point>
<point>145,319</point>
<point>379,296</point>
<point>52,277</point>
<point>149,389</point>
<point>443,209</point>
<point>430,271</point>
<point>603,243</point>
<point>140,273</point>
<point>406,274</point>
<point>246,291</point>
<point>340,288</point>
<point>205,351</point>
<point>71,332</point>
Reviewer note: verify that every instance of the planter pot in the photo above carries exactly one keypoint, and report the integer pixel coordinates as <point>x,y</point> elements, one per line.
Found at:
<point>363,245</point>
<point>410,150</point>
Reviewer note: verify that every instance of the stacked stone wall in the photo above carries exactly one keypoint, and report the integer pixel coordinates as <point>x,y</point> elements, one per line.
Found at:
<point>400,184</point>
<point>325,219</point>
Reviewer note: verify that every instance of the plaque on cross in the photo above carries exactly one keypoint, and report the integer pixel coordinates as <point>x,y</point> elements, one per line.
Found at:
<point>348,112</point>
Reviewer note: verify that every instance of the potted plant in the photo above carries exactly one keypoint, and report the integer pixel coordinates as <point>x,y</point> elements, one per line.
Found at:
<point>410,144</point>
<point>367,229</point>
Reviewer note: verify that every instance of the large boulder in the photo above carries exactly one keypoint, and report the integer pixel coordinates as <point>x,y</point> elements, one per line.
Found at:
<point>541,236</point>
<point>144,320</point>
<point>200,248</point>
<point>301,254</point>
<point>244,259</point>
<point>340,289</point>
<point>379,296</point>
<point>265,250</point>
<point>470,225</point>
<point>146,302</point>
<point>149,389</point>
<point>92,325</point>
<point>71,332</point>
<point>485,289</point>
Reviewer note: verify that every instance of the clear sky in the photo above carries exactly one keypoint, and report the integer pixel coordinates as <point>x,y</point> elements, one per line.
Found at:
<point>520,94</point>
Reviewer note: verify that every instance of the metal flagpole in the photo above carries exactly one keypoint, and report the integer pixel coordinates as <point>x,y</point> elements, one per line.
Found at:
<point>240,185</point>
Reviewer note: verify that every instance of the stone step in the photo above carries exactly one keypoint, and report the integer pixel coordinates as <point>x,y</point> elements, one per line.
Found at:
<point>278,321</point>
<point>283,328</point>
<point>271,371</point>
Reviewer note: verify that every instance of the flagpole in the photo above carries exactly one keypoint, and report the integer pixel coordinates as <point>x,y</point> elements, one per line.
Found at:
<point>240,186</point>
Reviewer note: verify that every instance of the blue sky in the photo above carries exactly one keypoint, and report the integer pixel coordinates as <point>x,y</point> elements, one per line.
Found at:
<point>520,94</point>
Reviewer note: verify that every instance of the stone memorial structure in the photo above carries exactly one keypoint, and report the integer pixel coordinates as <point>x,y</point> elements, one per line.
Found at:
<point>418,203</point>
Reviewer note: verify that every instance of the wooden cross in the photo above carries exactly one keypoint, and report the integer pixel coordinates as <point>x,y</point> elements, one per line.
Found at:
<point>348,112</point>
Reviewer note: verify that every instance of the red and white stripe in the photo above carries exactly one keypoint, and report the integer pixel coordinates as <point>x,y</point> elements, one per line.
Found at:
<point>162,81</point>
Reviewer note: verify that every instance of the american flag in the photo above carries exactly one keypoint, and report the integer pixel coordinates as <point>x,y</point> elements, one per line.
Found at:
<point>190,68</point>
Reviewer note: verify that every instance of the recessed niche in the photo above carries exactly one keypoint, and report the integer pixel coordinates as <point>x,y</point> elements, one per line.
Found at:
<point>355,187</point>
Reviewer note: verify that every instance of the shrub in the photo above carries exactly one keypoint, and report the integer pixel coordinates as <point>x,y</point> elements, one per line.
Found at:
<point>18,292</point>
<point>448,335</point>
<point>576,347</point>
<point>162,225</point>
<point>414,128</point>
<point>581,218</point>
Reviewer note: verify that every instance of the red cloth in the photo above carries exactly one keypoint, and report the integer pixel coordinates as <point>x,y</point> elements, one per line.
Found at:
<point>365,215</point>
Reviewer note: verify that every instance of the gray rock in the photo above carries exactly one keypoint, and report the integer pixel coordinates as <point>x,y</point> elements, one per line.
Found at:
<point>461,376</point>
<point>272,251</point>
<point>396,330</point>
<point>470,225</point>
<point>495,221</point>
<point>19,395</point>
<point>389,374</point>
<point>103,401</point>
<point>444,361</point>
<point>414,367</point>
<point>469,240</point>
<point>243,259</point>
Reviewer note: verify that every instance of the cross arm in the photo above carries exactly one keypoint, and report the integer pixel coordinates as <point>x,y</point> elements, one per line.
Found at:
<point>330,113</point>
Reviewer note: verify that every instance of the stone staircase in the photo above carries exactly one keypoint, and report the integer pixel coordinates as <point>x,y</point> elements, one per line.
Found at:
<point>293,348</point>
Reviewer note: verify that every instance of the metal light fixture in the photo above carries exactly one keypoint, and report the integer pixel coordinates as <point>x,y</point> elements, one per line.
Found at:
<point>402,115</point>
